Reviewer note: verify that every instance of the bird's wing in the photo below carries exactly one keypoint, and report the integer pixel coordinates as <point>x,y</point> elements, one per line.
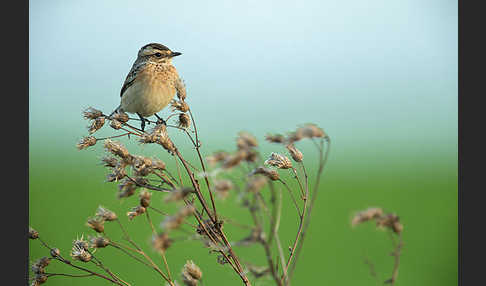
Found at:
<point>131,77</point>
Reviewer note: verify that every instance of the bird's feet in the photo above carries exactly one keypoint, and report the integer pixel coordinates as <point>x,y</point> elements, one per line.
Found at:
<point>160,120</point>
<point>142,125</point>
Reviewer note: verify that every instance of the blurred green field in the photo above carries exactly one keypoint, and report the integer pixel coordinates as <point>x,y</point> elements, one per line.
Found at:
<point>420,185</point>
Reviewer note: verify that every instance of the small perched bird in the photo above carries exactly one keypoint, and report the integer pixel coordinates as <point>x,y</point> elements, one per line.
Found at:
<point>151,83</point>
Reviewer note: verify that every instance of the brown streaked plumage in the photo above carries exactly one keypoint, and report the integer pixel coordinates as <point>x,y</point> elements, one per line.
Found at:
<point>151,83</point>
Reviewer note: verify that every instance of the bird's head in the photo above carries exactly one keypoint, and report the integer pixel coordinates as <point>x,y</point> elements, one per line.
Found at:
<point>157,53</point>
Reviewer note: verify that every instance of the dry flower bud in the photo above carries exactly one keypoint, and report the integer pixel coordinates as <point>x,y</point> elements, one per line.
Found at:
<point>96,223</point>
<point>234,159</point>
<point>115,124</point>
<point>127,188</point>
<point>184,121</point>
<point>55,252</point>
<point>295,153</point>
<point>279,161</point>
<point>255,184</point>
<point>33,234</point>
<point>277,138</point>
<point>191,273</point>
<point>106,214</point>
<point>91,113</point>
<point>269,173</point>
<point>391,221</point>
<point>179,105</point>
<point>173,222</point>
<point>86,142</point>
<point>96,124</point>
<point>136,211</point>
<point>80,250</point>
<point>178,194</point>
<point>366,215</point>
<point>40,278</point>
<point>117,174</point>
<point>109,161</point>
<point>142,165</point>
<point>121,117</point>
<point>181,89</point>
<point>158,164</point>
<point>245,140</point>
<point>161,241</point>
<point>145,198</point>
<point>99,242</point>
<point>117,149</point>
<point>217,157</point>
<point>222,187</point>
<point>307,131</point>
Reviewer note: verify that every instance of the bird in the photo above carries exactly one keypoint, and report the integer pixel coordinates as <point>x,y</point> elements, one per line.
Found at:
<point>151,83</point>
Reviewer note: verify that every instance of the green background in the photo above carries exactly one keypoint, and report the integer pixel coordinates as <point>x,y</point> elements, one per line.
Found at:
<point>379,77</point>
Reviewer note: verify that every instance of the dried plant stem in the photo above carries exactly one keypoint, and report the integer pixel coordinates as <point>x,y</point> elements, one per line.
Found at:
<point>323,157</point>
<point>396,253</point>
<point>98,263</point>
<point>292,196</point>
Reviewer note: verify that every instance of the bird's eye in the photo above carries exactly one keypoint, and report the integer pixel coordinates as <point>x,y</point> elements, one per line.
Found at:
<point>158,55</point>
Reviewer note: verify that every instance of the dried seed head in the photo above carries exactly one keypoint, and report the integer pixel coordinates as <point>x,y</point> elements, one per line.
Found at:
<point>121,117</point>
<point>178,194</point>
<point>96,223</point>
<point>245,140</point>
<point>40,278</point>
<point>269,173</point>
<point>145,198</point>
<point>109,161</point>
<point>55,252</point>
<point>33,234</point>
<point>366,215</point>
<point>117,149</point>
<point>126,188</point>
<point>99,242</point>
<point>179,105</point>
<point>91,113</point>
<point>184,121</point>
<point>96,124</point>
<point>192,270</point>
<point>234,159</point>
<point>39,265</point>
<point>277,138</point>
<point>80,250</point>
<point>217,157</point>
<point>222,187</point>
<point>295,153</point>
<point>115,124</point>
<point>307,131</point>
<point>116,174</point>
<point>142,165</point>
<point>255,184</point>
<point>279,161</point>
<point>161,241</point>
<point>136,211</point>
<point>106,214</point>
<point>249,155</point>
<point>391,221</point>
<point>173,222</point>
<point>160,136</point>
<point>180,89</point>
<point>86,142</point>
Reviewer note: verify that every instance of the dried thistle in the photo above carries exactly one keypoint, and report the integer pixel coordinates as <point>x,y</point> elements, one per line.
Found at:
<point>191,273</point>
<point>99,242</point>
<point>80,250</point>
<point>86,142</point>
<point>179,105</point>
<point>256,183</point>
<point>115,124</point>
<point>158,164</point>
<point>121,117</point>
<point>117,149</point>
<point>145,198</point>
<point>33,234</point>
<point>279,161</point>
<point>96,223</point>
<point>277,138</point>
<point>391,221</point>
<point>217,157</point>
<point>92,113</point>
<point>307,131</point>
<point>106,214</point>
<point>116,174</point>
<point>366,215</point>
<point>295,153</point>
<point>126,188</point>
<point>161,241</point>
<point>180,89</point>
<point>142,165</point>
<point>173,222</point>
<point>184,121</point>
<point>55,252</point>
<point>222,187</point>
<point>269,173</point>
<point>136,211</point>
<point>109,161</point>
<point>96,124</point>
<point>245,140</point>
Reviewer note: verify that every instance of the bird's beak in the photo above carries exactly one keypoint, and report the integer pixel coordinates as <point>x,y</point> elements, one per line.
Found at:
<point>175,54</point>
